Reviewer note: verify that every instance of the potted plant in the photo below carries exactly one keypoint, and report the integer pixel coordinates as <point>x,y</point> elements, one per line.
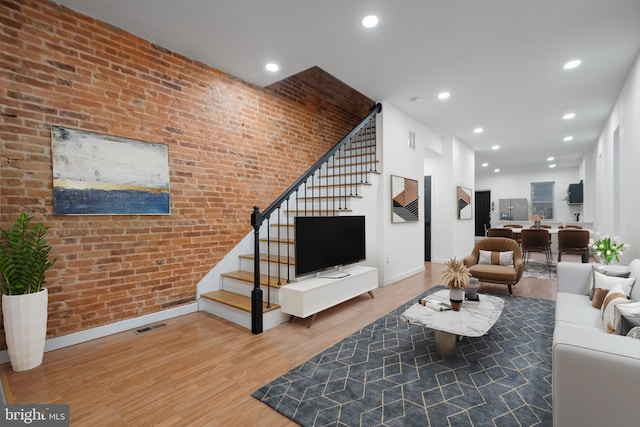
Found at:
<point>24,259</point>
<point>456,277</point>
<point>608,249</point>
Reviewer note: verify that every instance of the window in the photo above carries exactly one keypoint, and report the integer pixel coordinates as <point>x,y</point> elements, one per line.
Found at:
<point>542,199</point>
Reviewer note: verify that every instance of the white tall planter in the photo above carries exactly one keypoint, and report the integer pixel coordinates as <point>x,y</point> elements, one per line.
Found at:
<point>25,328</point>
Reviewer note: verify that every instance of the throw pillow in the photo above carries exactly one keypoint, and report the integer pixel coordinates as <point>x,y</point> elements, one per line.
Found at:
<point>615,296</point>
<point>626,316</point>
<point>608,282</point>
<point>598,297</point>
<point>506,258</point>
<point>485,257</point>
<point>634,270</point>
<point>496,258</point>
<point>607,270</point>
<point>634,333</point>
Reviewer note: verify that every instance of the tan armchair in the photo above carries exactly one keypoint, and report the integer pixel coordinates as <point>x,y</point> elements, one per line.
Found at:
<point>494,273</point>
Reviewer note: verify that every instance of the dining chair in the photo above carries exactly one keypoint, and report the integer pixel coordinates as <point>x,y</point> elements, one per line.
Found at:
<point>500,232</point>
<point>516,236</point>
<point>536,240</point>
<point>573,241</point>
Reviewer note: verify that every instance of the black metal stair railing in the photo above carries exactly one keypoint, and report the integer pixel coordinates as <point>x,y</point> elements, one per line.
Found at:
<point>326,186</point>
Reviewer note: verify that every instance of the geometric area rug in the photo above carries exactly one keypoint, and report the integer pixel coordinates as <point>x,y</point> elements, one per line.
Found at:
<point>538,269</point>
<point>387,374</point>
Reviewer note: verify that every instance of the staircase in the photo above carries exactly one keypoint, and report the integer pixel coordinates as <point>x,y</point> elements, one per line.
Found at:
<point>334,185</point>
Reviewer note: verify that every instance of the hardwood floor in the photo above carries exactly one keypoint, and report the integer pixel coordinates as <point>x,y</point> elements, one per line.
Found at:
<point>201,370</point>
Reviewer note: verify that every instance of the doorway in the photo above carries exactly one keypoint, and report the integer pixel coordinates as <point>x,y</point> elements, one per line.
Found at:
<point>427,218</point>
<point>483,212</point>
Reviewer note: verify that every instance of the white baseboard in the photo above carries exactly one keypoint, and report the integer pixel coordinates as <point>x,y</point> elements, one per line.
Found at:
<point>404,275</point>
<point>110,329</point>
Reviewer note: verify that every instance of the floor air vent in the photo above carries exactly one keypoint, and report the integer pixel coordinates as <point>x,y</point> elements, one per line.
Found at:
<point>150,328</point>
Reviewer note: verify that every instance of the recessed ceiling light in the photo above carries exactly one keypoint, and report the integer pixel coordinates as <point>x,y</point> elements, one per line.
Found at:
<point>272,67</point>
<point>553,165</point>
<point>495,147</point>
<point>550,159</point>
<point>569,116</point>
<point>572,64</point>
<point>444,95</point>
<point>478,130</point>
<point>568,138</point>
<point>370,21</point>
<point>484,165</point>
<point>496,170</point>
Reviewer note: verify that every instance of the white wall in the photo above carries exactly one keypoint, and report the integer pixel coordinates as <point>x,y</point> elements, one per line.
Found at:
<point>401,249</point>
<point>463,160</point>
<point>452,167</point>
<point>518,185</point>
<point>626,115</point>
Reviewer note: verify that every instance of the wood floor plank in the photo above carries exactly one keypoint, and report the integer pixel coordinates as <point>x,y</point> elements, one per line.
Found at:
<point>200,370</point>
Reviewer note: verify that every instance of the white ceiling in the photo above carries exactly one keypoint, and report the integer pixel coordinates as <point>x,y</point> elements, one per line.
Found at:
<point>500,59</point>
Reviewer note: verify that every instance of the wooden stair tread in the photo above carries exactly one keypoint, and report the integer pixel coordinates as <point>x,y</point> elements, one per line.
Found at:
<point>342,196</point>
<point>356,174</point>
<point>276,240</point>
<point>318,212</point>
<point>280,224</point>
<point>272,258</point>
<point>236,301</point>
<point>359,163</point>
<point>368,145</point>
<point>337,185</point>
<point>246,276</point>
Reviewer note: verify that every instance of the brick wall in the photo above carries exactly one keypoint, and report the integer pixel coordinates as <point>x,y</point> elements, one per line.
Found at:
<point>231,146</point>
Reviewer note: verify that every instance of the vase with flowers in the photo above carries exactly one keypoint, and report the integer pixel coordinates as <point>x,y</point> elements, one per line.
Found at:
<point>536,220</point>
<point>456,277</point>
<point>608,249</point>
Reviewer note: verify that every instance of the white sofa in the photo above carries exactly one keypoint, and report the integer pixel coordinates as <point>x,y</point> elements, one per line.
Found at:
<point>596,375</point>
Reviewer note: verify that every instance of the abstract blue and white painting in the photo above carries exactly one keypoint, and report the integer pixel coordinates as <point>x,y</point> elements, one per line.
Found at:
<point>97,174</point>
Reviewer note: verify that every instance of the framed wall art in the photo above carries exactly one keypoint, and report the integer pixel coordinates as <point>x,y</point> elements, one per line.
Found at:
<point>404,199</point>
<point>464,202</point>
<point>97,174</point>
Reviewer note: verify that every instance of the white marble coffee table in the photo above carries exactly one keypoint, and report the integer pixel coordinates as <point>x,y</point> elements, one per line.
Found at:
<point>473,320</point>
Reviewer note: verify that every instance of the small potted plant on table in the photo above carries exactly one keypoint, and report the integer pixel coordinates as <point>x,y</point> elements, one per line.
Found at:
<point>456,277</point>
<point>24,258</point>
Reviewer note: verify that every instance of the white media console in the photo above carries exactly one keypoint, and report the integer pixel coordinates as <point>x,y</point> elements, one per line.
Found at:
<point>309,297</point>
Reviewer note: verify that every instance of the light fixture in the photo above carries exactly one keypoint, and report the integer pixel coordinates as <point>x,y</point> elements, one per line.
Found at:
<point>572,64</point>
<point>273,67</point>
<point>369,21</point>
<point>484,165</point>
<point>569,116</point>
<point>550,159</point>
<point>496,170</point>
<point>568,138</point>
<point>444,95</point>
<point>495,147</point>
<point>551,166</point>
<point>478,130</point>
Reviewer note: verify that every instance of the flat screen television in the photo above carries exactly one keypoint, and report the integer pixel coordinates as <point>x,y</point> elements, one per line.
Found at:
<point>324,242</point>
